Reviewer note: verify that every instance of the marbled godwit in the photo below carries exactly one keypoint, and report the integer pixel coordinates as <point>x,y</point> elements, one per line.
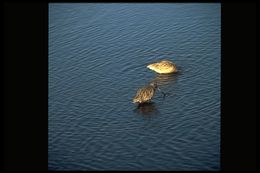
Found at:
<point>163,67</point>
<point>145,94</point>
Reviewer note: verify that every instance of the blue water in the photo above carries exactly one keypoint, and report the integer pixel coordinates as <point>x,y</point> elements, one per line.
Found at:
<point>98,55</point>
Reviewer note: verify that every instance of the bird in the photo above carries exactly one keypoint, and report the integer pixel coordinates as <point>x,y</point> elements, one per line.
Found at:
<point>145,93</point>
<point>163,67</point>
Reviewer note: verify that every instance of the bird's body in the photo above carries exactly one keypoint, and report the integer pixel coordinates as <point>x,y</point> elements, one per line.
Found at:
<point>163,67</point>
<point>145,94</point>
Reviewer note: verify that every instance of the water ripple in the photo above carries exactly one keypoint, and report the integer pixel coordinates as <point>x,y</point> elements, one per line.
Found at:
<point>98,55</point>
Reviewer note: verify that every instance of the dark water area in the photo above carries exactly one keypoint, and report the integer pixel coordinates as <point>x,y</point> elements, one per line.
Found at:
<point>98,55</point>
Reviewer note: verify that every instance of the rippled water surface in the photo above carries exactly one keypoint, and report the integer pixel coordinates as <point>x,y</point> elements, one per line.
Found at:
<point>98,55</point>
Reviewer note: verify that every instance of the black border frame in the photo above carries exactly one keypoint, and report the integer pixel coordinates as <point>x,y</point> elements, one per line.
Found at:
<point>26,86</point>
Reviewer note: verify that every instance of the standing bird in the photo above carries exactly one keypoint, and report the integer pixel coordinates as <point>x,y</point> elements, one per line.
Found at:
<point>163,67</point>
<point>146,93</point>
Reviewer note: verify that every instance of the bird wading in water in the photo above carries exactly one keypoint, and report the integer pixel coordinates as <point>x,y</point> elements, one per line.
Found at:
<point>163,67</point>
<point>146,93</point>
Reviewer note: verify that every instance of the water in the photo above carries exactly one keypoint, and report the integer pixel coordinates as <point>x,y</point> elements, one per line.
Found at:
<point>97,61</point>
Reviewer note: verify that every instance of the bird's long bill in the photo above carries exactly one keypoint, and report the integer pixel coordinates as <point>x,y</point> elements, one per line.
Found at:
<point>161,91</point>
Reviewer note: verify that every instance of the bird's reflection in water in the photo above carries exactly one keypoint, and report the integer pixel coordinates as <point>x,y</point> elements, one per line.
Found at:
<point>147,109</point>
<point>165,79</point>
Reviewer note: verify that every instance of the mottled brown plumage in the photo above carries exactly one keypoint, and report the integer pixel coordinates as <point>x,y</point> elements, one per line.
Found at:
<point>145,94</point>
<point>163,67</point>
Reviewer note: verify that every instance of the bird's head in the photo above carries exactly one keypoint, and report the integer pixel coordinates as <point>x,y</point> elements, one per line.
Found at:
<point>154,84</point>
